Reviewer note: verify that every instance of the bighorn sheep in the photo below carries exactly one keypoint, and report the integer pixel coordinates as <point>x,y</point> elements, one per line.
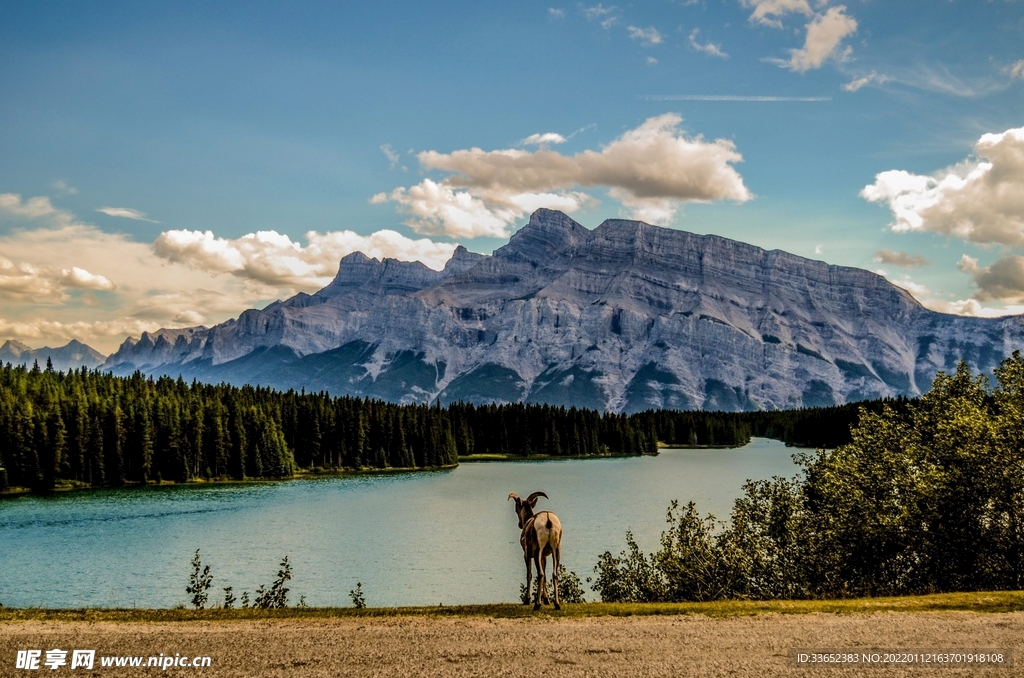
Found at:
<point>541,537</point>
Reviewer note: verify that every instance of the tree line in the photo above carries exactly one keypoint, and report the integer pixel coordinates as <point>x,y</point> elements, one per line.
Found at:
<point>93,429</point>
<point>927,496</point>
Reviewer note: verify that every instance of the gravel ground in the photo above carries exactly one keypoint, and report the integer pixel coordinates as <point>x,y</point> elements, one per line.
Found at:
<point>480,646</point>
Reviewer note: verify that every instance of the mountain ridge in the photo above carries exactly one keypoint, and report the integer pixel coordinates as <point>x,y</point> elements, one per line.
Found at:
<point>624,317</point>
<point>72,355</point>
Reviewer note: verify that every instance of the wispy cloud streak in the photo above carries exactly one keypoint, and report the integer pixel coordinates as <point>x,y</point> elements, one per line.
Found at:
<point>725,97</point>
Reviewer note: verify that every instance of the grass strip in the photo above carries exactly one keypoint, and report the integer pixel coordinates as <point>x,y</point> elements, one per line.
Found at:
<point>978,602</point>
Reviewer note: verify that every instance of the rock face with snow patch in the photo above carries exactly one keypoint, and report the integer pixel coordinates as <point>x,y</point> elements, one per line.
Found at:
<point>626,317</point>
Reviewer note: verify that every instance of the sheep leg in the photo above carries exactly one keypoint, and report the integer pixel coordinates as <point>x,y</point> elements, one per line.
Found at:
<point>542,584</point>
<point>556,561</point>
<point>529,578</point>
<point>544,597</point>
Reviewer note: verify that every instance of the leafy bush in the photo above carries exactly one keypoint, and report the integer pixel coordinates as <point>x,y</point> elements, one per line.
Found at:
<point>570,588</point>
<point>277,595</point>
<point>928,497</point>
<point>356,595</point>
<point>199,583</point>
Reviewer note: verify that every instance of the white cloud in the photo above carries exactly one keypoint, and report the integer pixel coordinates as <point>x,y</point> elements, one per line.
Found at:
<point>819,249</point>
<point>272,258</point>
<point>646,36</point>
<point>857,83</point>
<point>652,170</point>
<point>34,208</point>
<point>979,200</point>
<point>597,11</point>
<point>437,209</point>
<point>82,279</point>
<point>391,154</point>
<point>708,48</point>
<point>543,139</point>
<point>34,283</point>
<point>601,14</point>
<point>825,32</point>
<point>963,307</point>
<point>1016,70</point>
<point>969,307</point>
<point>901,259</point>
<point>972,308</point>
<point>25,281</point>
<point>63,187</point>
<point>126,213</point>
<point>909,285</point>
<point>727,97</point>
<point>769,12</point>
<point>556,13</point>
<point>651,61</point>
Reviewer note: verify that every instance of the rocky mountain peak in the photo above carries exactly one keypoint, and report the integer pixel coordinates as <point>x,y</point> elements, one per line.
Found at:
<point>14,347</point>
<point>462,260</point>
<point>548,234</point>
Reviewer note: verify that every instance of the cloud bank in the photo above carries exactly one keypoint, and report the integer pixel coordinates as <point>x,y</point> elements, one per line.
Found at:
<point>652,170</point>
<point>1002,281</point>
<point>273,259</point>
<point>979,200</point>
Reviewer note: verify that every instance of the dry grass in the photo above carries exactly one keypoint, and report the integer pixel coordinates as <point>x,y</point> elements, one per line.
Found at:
<point>979,602</point>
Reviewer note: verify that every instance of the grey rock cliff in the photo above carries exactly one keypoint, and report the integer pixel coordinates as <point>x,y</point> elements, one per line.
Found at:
<point>626,317</point>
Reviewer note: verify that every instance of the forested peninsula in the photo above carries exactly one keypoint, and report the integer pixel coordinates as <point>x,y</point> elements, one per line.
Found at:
<point>88,428</point>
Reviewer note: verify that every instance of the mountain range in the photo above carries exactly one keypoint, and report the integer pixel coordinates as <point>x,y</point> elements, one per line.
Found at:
<point>625,317</point>
<point>73,355</point>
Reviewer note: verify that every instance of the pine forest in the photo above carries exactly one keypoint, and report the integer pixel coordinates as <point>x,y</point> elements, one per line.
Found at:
<point>88,428</point>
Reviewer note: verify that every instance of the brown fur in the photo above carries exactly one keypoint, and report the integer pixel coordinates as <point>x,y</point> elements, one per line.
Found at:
<point>541,537</point>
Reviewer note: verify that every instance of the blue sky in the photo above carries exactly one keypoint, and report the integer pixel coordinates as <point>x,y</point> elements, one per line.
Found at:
<point>169,164</point>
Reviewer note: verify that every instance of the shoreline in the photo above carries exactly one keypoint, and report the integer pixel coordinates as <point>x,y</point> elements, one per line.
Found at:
<point>306,474</point>
<point>12,492</point>
<point>68,487</point>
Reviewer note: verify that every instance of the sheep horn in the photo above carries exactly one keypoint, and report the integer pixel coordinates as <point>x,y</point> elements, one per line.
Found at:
<point>513,495</point>
<point>535,495</point>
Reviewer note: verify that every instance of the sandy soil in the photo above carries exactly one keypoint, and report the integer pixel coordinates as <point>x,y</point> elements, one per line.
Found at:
<point>479,646</point>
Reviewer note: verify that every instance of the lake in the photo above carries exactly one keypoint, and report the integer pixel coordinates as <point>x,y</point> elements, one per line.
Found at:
<point>423,538</point>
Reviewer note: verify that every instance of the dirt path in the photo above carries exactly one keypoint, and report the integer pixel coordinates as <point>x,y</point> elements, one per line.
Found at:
<point>479,646</point>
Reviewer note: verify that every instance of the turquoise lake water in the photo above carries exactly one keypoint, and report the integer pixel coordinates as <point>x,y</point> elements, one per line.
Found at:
<point>410,538</point>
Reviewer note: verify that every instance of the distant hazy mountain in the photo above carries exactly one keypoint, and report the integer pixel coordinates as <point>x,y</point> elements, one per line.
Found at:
<point>73,355</point>
<point>625,317</point>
